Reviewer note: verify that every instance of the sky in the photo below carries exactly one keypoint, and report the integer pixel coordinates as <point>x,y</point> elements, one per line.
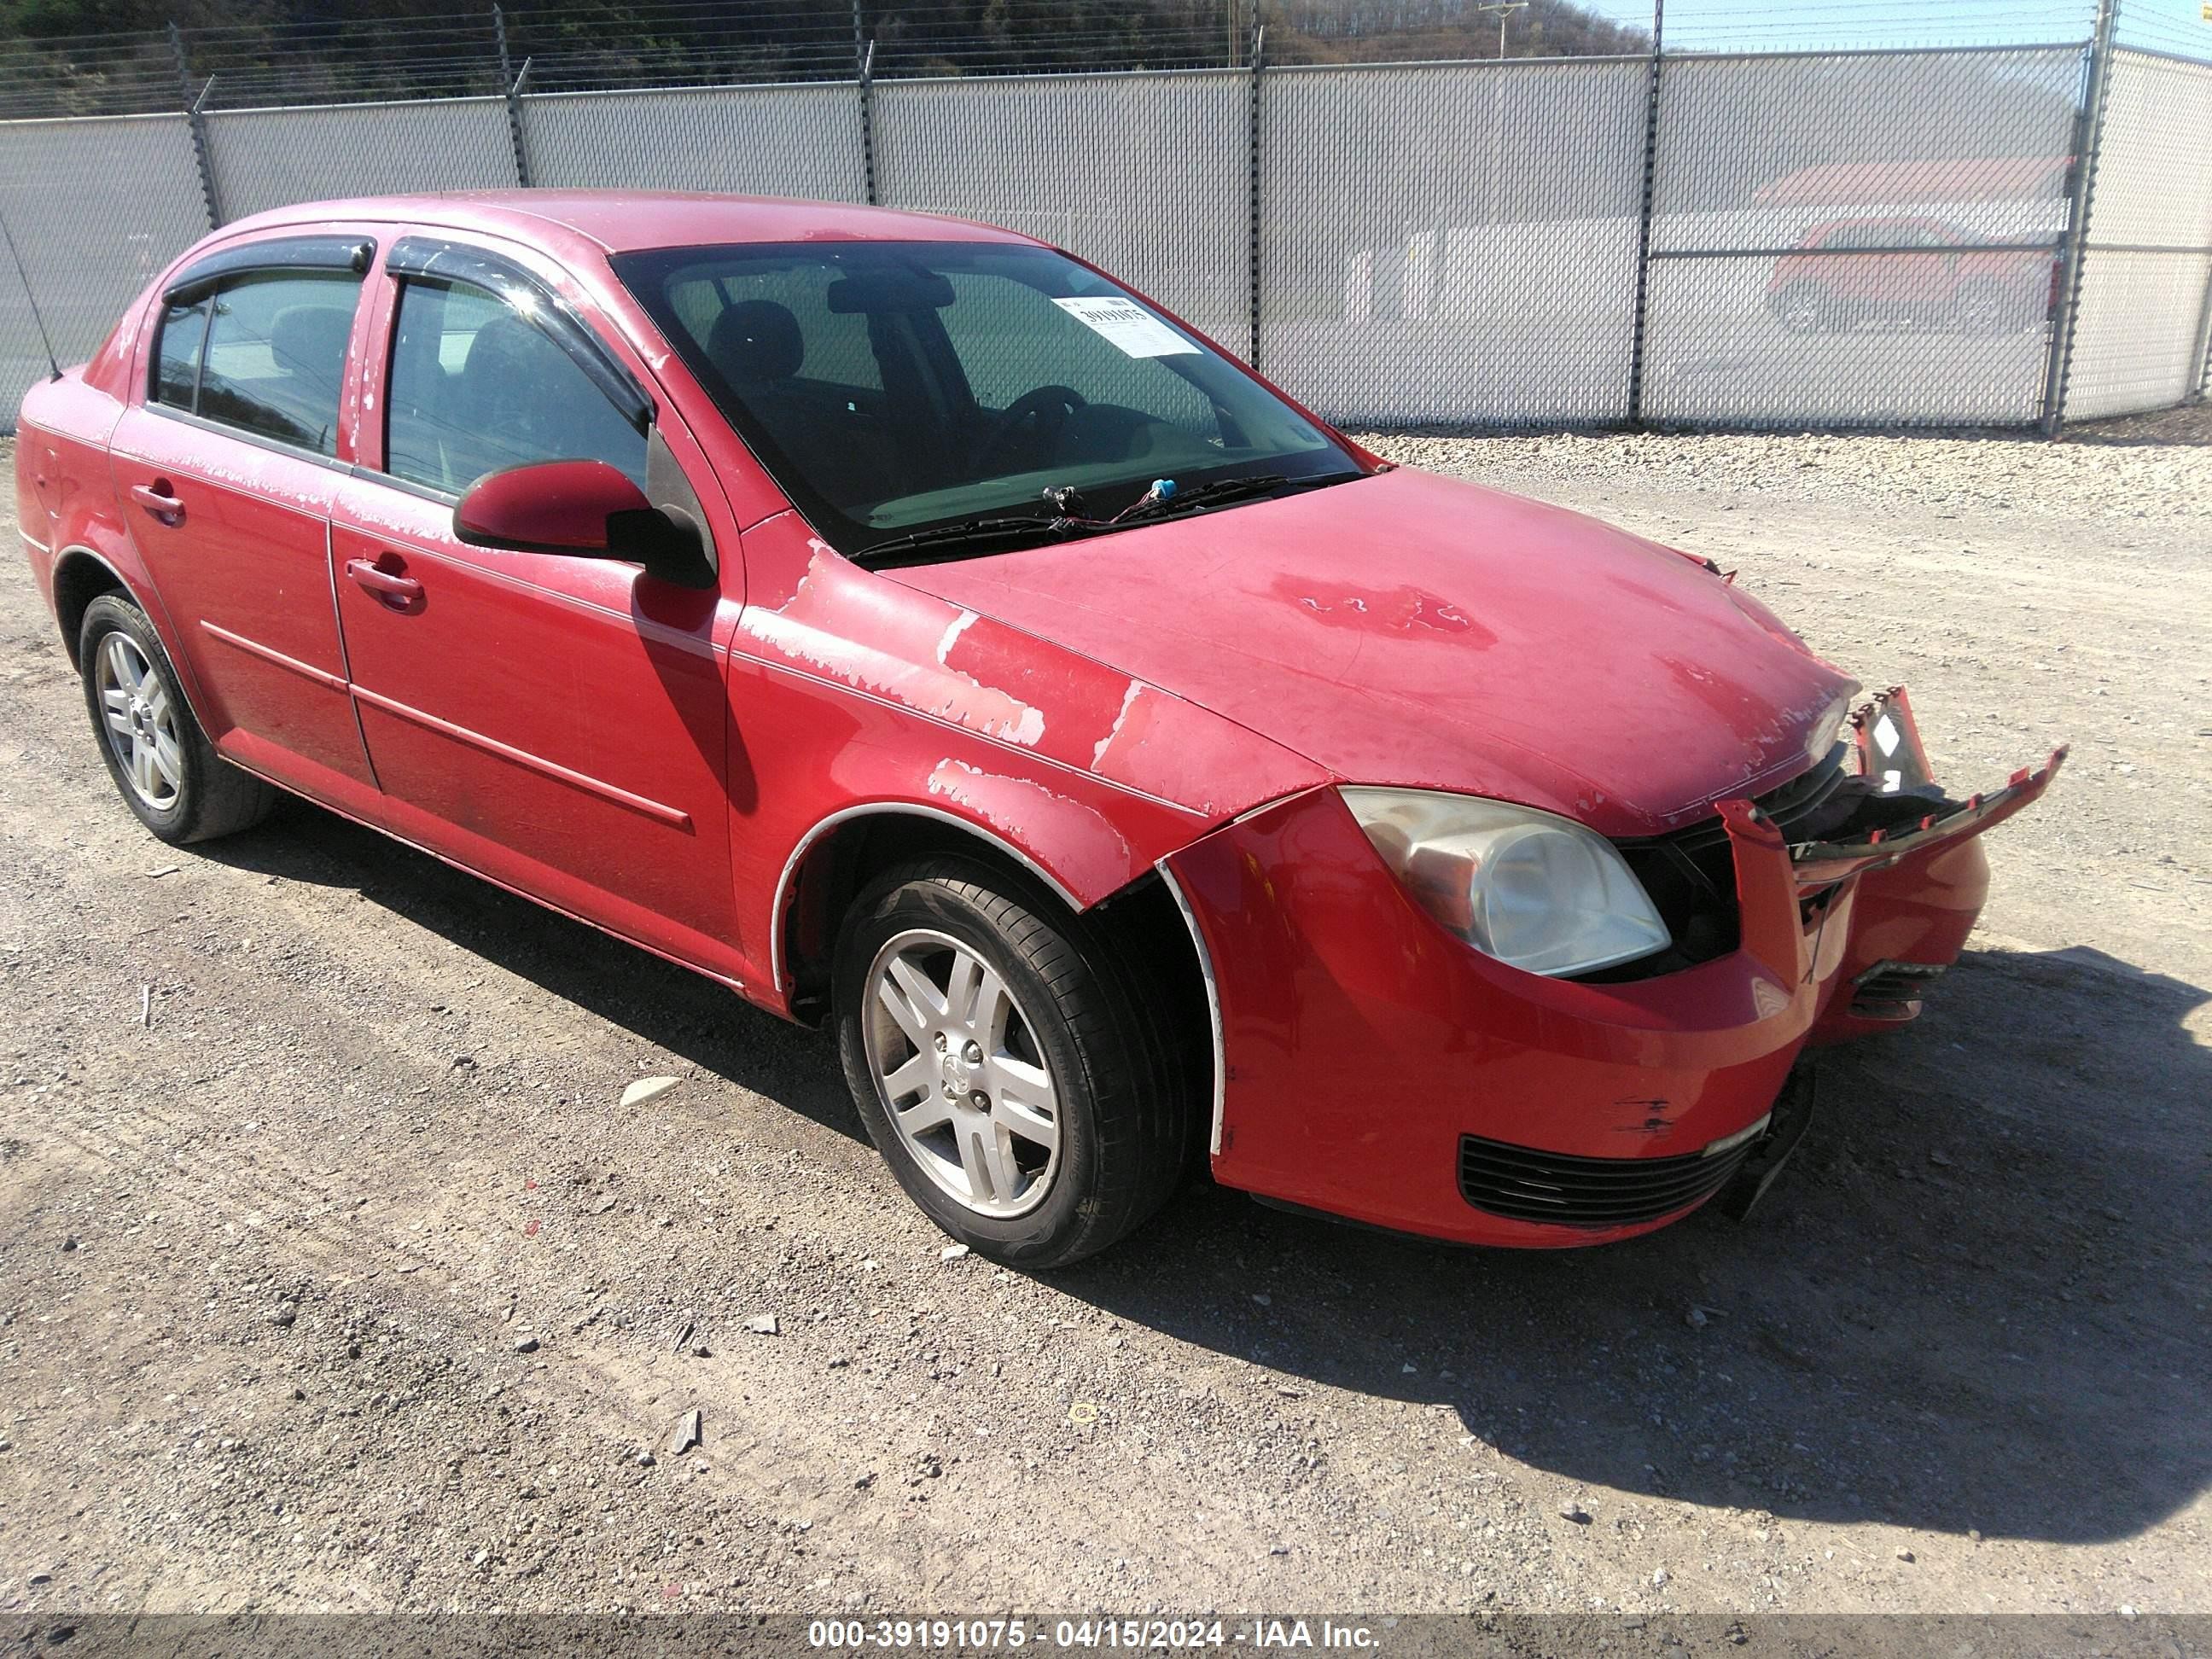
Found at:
<point>1747,25</point>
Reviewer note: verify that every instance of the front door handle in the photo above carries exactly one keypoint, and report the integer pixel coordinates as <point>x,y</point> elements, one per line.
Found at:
<point>156,500</point>
<point>397,591</point>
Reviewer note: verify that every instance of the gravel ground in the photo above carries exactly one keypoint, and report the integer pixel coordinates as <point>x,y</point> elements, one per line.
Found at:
<point>341,1279</point>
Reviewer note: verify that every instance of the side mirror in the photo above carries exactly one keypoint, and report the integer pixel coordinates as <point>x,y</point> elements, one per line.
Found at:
<point>585,509</point>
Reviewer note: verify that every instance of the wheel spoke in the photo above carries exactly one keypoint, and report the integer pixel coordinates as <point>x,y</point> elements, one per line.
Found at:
<point>119,723</point>
<point>119,663</point>
<point>157,702</point>
<point>1018,1079</point>
<point>1020,1118</point>
<point>992,1007</point>
<point>986,1158</point>
<point>960,986</point>
<point>142,765</point>
<point>928,1113</point>
<point>909,998</point>
<point>167,761</point>
<point>920,1072</point>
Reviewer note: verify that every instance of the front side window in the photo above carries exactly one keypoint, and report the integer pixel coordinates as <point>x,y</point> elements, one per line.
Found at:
<point>892,386</point>
<point>176,373</point>
<point>479,387</point>
<point>264,352</point>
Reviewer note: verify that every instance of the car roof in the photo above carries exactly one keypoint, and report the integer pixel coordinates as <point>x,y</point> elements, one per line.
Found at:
<point>625,221</point>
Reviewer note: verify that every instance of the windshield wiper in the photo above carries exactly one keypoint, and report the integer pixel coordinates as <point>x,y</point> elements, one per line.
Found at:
<point>1221,490</point>
<point>1007,532</point>
<point>978,534</point>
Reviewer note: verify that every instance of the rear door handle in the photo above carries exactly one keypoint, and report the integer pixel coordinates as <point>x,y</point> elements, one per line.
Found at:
<point>397,591</point>
<point>156,500</point>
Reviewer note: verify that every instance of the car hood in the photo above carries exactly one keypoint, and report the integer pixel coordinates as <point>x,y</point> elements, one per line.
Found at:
<point>1420,631</point>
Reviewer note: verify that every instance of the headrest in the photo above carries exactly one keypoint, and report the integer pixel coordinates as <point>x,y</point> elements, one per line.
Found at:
<point>311,339</point>
<point>756,340</point>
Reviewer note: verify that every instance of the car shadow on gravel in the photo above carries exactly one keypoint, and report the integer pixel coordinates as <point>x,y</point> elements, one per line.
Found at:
<point>1975,1303</point>
<point>691,1015</point>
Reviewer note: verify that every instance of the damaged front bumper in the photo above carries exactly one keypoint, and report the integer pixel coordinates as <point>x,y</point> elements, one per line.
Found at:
<point>1374,1067</point>
<point>1914,858</point>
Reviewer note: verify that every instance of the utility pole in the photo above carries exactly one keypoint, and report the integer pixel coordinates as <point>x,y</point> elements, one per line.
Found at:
<point>1504,8</point>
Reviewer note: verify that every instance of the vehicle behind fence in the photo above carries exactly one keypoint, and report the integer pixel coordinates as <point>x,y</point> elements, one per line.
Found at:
<point>1994,236</point>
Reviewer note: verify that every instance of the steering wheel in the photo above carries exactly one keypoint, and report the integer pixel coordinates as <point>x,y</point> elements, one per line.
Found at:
<point>1049,406</point>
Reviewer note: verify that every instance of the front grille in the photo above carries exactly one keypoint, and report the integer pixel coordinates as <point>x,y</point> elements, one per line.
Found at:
<point>1522,1184</point>
<point>1691,874</point>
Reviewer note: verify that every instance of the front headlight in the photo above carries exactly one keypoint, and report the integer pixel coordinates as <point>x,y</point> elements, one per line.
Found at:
<point>1538,892</point>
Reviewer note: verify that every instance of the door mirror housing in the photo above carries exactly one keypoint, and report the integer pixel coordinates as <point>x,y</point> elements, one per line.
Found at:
<point>586,510</point>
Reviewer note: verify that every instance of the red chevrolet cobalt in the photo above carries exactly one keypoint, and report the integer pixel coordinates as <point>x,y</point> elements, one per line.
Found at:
<point>902,622</point>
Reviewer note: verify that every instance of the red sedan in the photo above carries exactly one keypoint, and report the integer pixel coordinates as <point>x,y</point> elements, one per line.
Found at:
<point>905,624</point>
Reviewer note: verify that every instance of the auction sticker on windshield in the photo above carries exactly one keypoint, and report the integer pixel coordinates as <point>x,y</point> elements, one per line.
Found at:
<point>1128,325</point>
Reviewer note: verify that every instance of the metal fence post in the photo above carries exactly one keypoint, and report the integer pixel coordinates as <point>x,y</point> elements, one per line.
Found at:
<point>2201,360</point>
<point>513,83</point>
<point>1252,185</point>
<point>2089,130</point>
<point>1644,215</point>
<point>196,121</point>
<point>864,55</point>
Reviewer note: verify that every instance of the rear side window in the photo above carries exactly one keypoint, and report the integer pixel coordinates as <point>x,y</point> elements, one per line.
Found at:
<point>477,388</point>
<point>264,353</point>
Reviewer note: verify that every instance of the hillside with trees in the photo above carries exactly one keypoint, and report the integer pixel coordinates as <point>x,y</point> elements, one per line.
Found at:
<point>85,56</point>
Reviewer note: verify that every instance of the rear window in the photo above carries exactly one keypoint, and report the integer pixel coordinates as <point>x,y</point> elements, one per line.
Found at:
<point>264,353</point>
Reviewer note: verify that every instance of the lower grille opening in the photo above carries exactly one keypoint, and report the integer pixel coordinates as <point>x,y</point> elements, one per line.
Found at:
<point>1891,990</point>
<point>1520,1183</point>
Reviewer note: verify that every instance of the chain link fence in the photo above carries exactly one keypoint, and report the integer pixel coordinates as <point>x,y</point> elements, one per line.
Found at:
<point>1452,242</point>
<point>2141,338</point>
<point>1991,236</point>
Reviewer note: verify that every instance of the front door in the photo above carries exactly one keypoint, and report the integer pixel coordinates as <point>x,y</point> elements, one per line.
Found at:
<point>227,473</point>
<point>557,723</point>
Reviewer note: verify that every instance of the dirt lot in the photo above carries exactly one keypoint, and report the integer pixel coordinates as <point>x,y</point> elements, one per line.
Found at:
<point>346,1283</point>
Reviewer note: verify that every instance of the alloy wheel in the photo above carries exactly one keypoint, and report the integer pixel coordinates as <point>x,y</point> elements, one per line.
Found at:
<point>139,719</point>
<point>961,1074</point>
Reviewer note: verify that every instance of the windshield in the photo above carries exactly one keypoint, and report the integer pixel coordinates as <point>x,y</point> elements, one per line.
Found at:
<point>892,387</point>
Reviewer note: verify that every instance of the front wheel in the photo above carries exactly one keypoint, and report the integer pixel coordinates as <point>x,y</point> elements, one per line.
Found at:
<point>1803,308</point>
<point>1004,1065</point>
<point>168,771</point>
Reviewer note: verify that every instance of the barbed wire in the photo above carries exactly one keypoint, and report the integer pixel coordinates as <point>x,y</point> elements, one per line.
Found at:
<point>579,47</point>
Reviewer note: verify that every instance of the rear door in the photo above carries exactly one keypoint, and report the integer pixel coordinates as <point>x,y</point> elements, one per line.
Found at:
<point>558,723</point>
<point>226,465</point>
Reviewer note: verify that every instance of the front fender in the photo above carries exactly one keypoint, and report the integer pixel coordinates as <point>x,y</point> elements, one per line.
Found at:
<point>854,695</point>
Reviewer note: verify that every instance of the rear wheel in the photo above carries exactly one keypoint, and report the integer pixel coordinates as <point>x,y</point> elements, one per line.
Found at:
<point>166,768</point>
<point>1989,308</point>
<point>1803,308</point>
<point>1020,1089</point>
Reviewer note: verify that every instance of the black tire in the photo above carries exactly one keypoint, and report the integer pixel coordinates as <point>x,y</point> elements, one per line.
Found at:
<point>1986,309</point>
<point>1803,308</point>
<point>1125,1103</point>
<point>208,796</point>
